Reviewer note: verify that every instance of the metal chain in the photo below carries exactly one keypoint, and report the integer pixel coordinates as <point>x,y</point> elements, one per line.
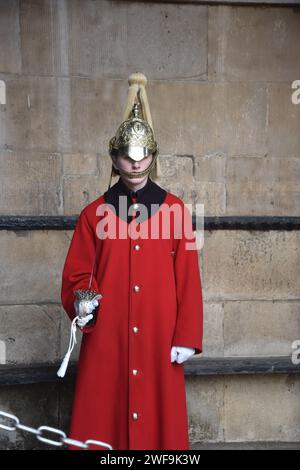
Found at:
<point>63,439</point>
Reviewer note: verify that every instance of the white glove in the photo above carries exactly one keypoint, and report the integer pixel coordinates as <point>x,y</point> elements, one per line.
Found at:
<point>181,354</point>
<point>84,310</point>
<point>81,322</point>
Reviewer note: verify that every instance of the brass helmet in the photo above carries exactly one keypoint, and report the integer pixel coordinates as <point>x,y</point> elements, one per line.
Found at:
<point>135,136</point>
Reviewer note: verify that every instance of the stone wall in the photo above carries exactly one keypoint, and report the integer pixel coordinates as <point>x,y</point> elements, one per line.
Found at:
<point>220,95</point>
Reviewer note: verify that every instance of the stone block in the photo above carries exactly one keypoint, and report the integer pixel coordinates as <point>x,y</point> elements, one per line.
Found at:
<point>263,186</point>
<point>247,43</point>
<point>32,263</point>
<point>260,328</point>
<point>244,265</point>
<point>30,333</point>
<point>30,183</point>
<point>258,408</point>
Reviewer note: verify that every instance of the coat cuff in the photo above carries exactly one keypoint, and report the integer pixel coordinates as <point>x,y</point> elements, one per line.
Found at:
<point>186,344</point>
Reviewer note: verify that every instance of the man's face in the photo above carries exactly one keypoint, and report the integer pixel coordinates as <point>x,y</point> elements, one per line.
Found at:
<point>124,162</point>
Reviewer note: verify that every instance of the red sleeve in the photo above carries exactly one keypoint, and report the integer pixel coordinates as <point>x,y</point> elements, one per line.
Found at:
<point>78,266</point>
<point>189,323</point>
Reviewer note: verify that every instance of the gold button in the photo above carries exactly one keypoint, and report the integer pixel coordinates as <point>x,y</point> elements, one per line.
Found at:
<point>134,372</point>
<point>135,206</point>
<point>135,329</point>
<point>137,247</point>
<point>134,416</point>
<point>136,288</point>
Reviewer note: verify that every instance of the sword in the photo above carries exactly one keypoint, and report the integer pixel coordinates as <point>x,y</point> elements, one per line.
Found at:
<point>88,295</point>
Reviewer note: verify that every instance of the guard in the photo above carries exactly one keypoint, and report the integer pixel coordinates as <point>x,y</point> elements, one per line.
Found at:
<point>132,248</point>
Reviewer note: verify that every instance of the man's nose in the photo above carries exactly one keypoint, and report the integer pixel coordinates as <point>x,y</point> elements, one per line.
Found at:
<point>136,164</point>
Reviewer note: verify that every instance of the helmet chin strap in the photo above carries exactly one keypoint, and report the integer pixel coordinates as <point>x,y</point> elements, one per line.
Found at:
<point>138,174</point>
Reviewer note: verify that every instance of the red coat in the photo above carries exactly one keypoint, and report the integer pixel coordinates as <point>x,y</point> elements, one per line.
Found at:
<point>128,393</point>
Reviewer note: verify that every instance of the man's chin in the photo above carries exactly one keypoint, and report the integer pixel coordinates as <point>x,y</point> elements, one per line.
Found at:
<point>137,179</point>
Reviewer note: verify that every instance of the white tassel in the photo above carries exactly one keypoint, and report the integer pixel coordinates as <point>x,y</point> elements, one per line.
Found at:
<point>62,370</point>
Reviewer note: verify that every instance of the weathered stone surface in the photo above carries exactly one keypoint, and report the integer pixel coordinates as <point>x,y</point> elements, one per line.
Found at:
<point>42,187</point>
<point>211,168</point>
<point>247,43</point>
<point>30,183</point>
<point>178,178</point>
<point>104,163</point>
<point>251,265</point>
<point>30,120</point>
<point>80,164</point>
<point>213,334</point>
<point>263,186</point>
<point>262,408</point>
<point>209,197</point>
<point>10,54</point>
<point>71,115</point>
<point>31,266</point>
<point>79,191</point>
<point>204,404</point>
<point>35,334</point>
<point>256,328</point>
<point>104,39</point>
<point>86,177</point>
<point>283,121</point>
<point>30,333</point>
<point>219,407</point>
<point>177,175</point>
<point>209,118</point>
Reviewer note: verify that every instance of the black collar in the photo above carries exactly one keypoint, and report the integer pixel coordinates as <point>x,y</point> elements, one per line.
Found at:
<point>149,194</point>
<point>138,193</point>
